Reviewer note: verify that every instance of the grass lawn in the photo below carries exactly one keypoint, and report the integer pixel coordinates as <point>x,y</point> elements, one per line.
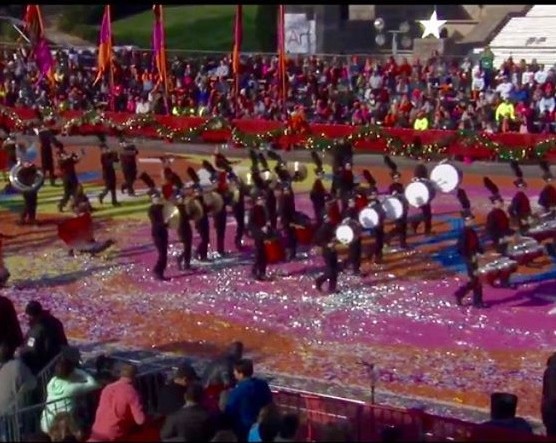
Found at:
<point>201,28</point>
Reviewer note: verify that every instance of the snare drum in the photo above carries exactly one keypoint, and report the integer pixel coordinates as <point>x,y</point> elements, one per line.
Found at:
<point>348,231</point>
<point>446,177</point>
<point>369,218</point>
<point>543,231</point>
<point>274,250</point>
<point>393,207</point>
<point>500,268</point>
<point>420,192</point>
<point>525,250</point>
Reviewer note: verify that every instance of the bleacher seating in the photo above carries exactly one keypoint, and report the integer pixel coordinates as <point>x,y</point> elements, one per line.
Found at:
<point>529,37</point>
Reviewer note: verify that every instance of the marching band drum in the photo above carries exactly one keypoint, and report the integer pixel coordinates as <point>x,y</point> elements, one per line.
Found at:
<point>348,231</point>
<point>420,192</point>
<point>393,207</point>
<point>370,217</point>
<point>446,177</point>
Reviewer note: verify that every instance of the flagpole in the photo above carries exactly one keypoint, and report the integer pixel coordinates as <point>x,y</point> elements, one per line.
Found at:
<point>237,48</point>
<point>163,59</point>
<point>110,67</point>
<point>282,56</point>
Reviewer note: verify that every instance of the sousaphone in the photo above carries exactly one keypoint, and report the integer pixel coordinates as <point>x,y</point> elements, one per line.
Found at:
<point>214,202</point>
<point>297,170</point>
<point>194,209</point>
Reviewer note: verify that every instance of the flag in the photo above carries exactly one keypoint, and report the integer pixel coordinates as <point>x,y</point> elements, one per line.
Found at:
<point>76,232</point>
<point>238,38</point>
<point>39,46</point>
<point>104,63</point>
<point>159,45</point>
<point>282,51</point>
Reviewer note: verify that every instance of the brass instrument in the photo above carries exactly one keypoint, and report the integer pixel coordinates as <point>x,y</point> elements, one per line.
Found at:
<point>171,215</point>
<point>194,209</point>
<point>26,177</point>
<point>214,202</point>
<point>297,171</point>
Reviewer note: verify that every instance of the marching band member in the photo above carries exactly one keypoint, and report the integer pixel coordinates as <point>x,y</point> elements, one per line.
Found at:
<point>325,237</point>
<point>80,203</point>
<point>202,225</point>
<point>547,197</point>
<point>497,222</point>
<point>396,188</point>
<point>66,164</point>
<point>107,160</point>
<point>520,206</point>
<point>46,138</point>
<point>318,191</point>
<point>287,218</point>
<point>259,226</point>
<point>27,176</point>
<point>271,202</point>
<point>159,232</point>
<point>185,234</point>
<point>238,209</point>
<point>469,247</point>
<point>378,231</point>
<point>420,172</point>
<point>220,217</point>
<point>172,182</point>
<point>355,247</point>
<point>347,184</point>
<point>9,145</point>
<point>128,162</point>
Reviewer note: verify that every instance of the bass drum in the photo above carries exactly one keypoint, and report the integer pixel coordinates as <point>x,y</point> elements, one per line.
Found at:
<point>393,207</point>
<point>348,231</point>
<point>420,192</point>
<point>369,218</point>
<point>446,177</point>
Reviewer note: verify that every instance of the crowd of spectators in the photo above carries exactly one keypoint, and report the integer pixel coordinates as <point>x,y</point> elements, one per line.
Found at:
<point>439,93</point>
<point>226,402</point>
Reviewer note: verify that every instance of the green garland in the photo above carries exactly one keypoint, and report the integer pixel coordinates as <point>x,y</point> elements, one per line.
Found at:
<point>394,145</point>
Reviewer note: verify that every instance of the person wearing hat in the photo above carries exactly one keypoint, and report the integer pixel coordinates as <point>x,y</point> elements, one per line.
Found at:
<point>421,173</point>
<point>287,218</point>
<point>128,161</point>
<point>498,225</point>
<point>469,247</point>
<point>259,227</point>
<point>238,208</point>
<point>325,237</point>
<point>547,196</point>
<point>378,230</point>
<point>202,225</point>
<point>396,188</point>
<point>45,338</point>
<point>27,175</point>
<point>355,247</point>
<point>47,157</point>
<point>220,218</point>
<point>66,164</point>
<point>503,407</point>
<point>520,206</point>
<point>107,160</point>
<point>318,196</point>
<point>159,233</point>
<point>185,234</point>
<point>346,184</point>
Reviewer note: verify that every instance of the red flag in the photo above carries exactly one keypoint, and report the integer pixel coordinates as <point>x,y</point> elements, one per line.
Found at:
<point>159,45</point>
<point>76,232</point>
<point>282,52</point>
<point>40,50</point>
<point>105,45</point>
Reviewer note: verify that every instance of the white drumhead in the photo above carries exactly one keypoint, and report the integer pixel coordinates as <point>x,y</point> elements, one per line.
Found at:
<point>417,194</point>
<point>393,207</point>
<point>345,234</point>
<point>369,218</point>
<point>446,177</point>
